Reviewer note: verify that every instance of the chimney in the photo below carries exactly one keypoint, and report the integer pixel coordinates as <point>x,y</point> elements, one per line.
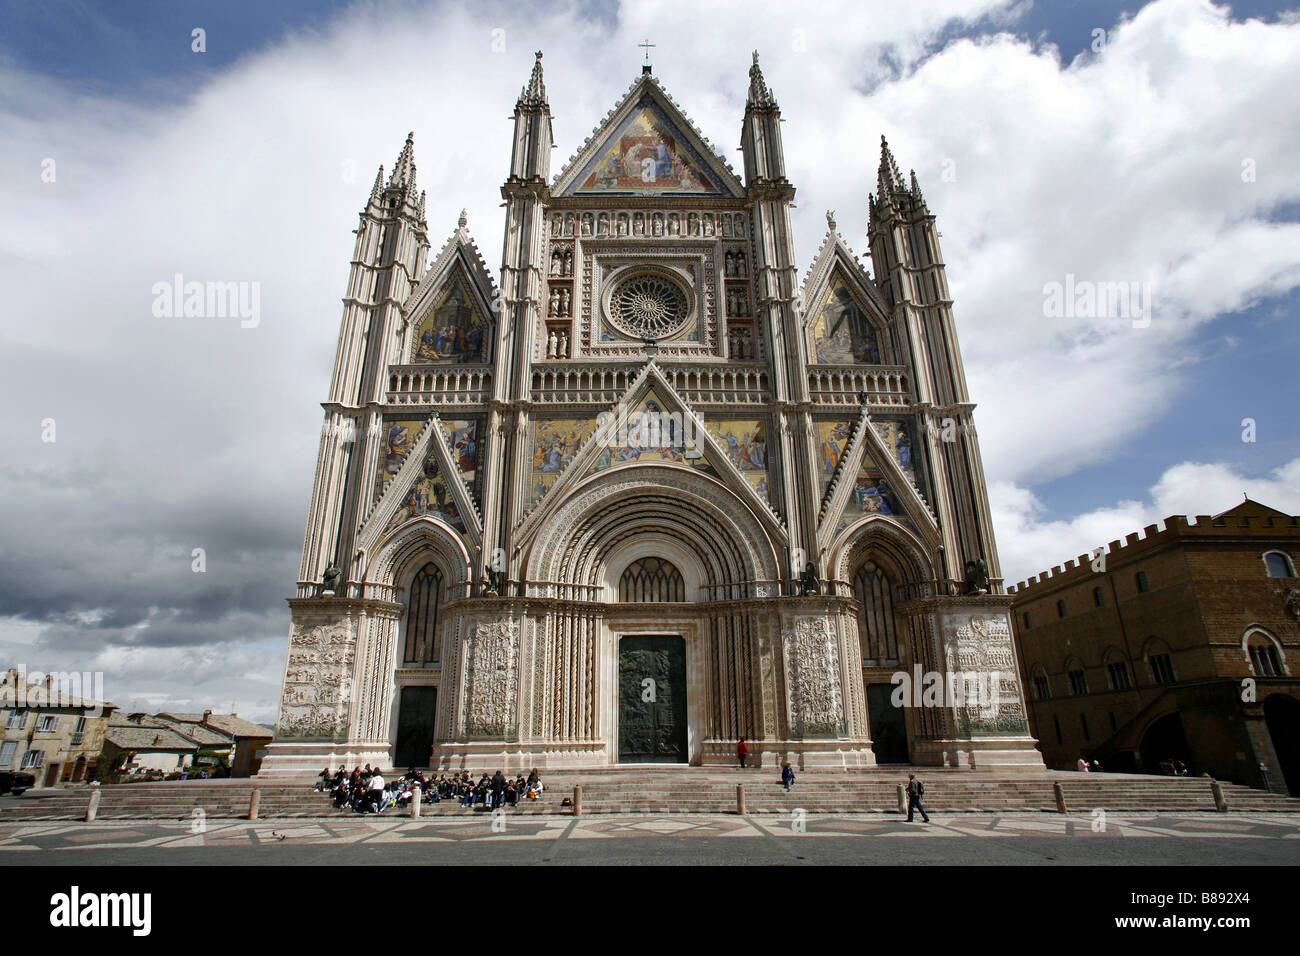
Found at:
<point>207,716</point>
<point>157,740</point>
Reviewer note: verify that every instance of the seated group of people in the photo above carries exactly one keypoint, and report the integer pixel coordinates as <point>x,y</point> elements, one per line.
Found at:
<point>366,790</point>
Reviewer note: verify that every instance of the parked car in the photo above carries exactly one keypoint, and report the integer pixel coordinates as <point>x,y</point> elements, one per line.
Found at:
<point>15,783</point>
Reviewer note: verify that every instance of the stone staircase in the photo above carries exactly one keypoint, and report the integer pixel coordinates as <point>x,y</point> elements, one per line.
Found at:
<point>683,790</point>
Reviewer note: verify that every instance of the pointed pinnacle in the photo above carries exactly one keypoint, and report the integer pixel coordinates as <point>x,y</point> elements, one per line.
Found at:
<point>404,167</point>
<point>759,94</point>
<point>534,94</point>
<point>462,222</point>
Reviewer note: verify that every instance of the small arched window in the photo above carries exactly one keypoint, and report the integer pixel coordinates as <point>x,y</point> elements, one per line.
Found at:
<point>1060,608</point>
<point>651,580</point>
<point>422,616</point>
<point>1265,659</point>
<point>1279,565</point>
<point>1143,585</point>
<point>1098,597</point>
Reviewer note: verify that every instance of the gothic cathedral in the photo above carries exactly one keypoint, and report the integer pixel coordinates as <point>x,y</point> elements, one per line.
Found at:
<point>650,494</point>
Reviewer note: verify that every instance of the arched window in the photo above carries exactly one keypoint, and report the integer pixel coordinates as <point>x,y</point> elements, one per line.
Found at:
<point>422,616</point>
<point>1279,565</point>
<point>1117,675</point>
<point>1042,684</point>
<point>1160,661</point>
<point>1078,677</point>
<point>651,580</point>
<point>1264,654</point>
<point>1143,585</point>
<point>875,592</point>
<point>1098,597</point>
<point>1060,609</point>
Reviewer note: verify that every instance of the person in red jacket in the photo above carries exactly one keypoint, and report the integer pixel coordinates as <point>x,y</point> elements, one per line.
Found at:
<point>742,751</point>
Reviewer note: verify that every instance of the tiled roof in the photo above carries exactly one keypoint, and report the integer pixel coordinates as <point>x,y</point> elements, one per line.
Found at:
<point>148,738</point>
<point>207,736</point>
<point>238,727</point>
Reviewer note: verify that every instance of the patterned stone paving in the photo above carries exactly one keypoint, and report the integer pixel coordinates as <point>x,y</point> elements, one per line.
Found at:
<point>17,839</point>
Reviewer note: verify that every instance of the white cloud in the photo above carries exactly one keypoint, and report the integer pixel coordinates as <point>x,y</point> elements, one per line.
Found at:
<point>1028,544</point>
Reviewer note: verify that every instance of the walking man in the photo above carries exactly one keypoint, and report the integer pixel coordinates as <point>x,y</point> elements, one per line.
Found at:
<point>915,790</point>
<point>742,751</point>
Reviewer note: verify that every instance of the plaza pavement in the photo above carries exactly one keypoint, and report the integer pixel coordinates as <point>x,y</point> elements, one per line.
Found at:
<point>678,839</point>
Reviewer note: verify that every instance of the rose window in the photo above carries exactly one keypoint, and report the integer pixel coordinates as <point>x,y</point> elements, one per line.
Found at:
<point>648,306</point>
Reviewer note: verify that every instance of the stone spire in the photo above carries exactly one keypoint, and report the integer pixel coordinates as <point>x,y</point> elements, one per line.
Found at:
<point>534,94</point>
<point>759,95</point>
<point>888,179</point>
<point>463,221</point>
<point>404,168</point>
<point>378,187</point>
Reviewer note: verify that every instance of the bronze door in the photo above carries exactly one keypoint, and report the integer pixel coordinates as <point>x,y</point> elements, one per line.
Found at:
<point>416,714</point>
<point>652,699</point>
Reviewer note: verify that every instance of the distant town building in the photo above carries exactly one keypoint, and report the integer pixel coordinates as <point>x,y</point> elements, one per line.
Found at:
<point>1178,645</point>
<point>49,730</point>
<point>170,742</point>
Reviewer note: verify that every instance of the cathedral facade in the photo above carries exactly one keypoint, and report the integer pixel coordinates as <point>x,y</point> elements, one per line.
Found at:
<point>651,493</point>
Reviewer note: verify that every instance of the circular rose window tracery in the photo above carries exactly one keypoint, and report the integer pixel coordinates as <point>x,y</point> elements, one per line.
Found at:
<point>648,306</point>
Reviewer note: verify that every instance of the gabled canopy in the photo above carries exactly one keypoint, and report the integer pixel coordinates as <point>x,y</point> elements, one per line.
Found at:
<point>647,146</point>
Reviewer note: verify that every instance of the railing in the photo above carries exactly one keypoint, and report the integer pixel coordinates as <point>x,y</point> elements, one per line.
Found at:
<point>603,384</point>
<point>940,587</point>
<point>846,386</point>
<point>434,385</point>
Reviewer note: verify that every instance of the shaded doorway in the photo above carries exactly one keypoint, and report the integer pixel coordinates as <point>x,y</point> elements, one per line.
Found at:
<point>1282,717</point>
<point>415,720</point>
<point>888,725</point>
<point>1165,740</point>
<point>652,699</point>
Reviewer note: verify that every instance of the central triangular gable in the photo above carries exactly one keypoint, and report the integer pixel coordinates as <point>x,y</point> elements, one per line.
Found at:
<point>647,146</point>
<point>647,153</point>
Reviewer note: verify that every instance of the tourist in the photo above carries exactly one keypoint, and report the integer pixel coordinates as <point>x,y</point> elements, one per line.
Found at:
<point>915,790</point>
<point>787,777</point>
<point>376,790</point>
<point>498,789</point>
<point>1082,764</point>
<point>324,779</point>
<point>742,751</point>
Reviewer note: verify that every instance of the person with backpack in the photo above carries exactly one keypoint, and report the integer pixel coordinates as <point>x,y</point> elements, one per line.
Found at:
<point>915,790</point>
<point>787,777</point>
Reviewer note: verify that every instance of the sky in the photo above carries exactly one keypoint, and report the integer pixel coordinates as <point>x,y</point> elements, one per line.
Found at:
<point>1092,142</point>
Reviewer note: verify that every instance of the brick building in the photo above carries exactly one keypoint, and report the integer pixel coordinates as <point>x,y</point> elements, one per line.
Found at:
<point>1181,643</point>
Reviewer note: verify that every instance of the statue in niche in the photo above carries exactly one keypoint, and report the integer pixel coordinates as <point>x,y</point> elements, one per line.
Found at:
<point>331,579</point>
<point>808,581</point>
<point>977,577</point>
<point>494,582</point>
<point>550,345</point>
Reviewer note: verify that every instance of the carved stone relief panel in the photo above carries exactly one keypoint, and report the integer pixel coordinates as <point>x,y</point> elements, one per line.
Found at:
<point>977,646</point>
<point>492,680</point>
<point>317,699</point>
<point>814,687</point>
